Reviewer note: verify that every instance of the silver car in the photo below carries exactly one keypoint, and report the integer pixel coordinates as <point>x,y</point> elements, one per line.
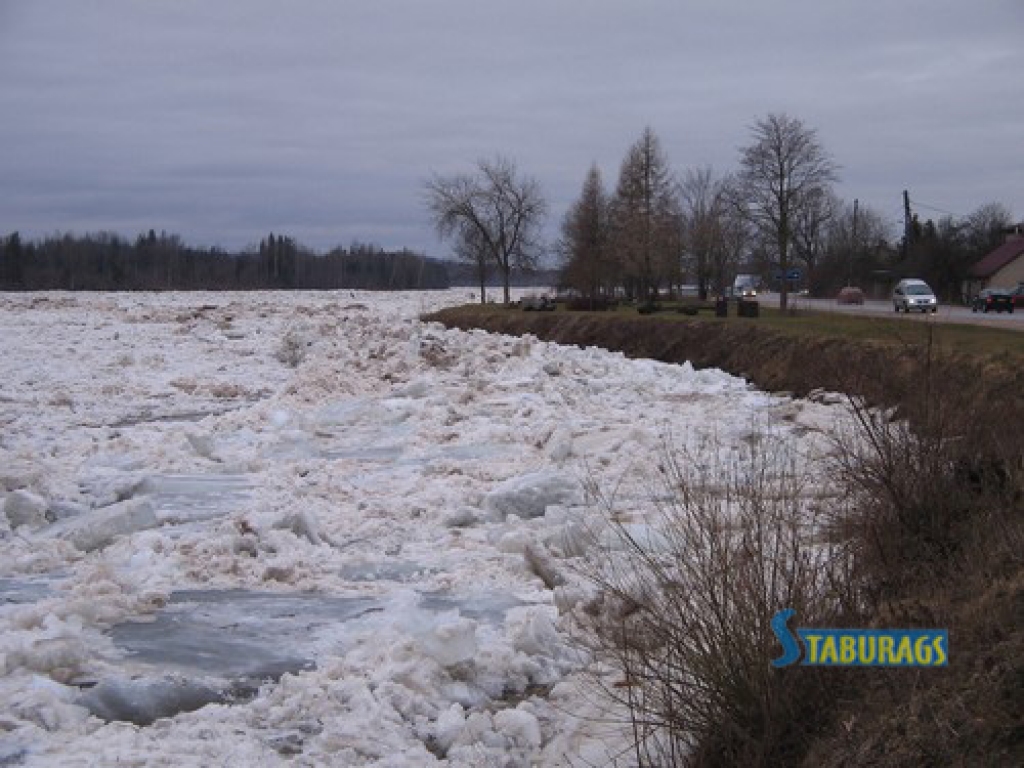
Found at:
<point>914,295</point>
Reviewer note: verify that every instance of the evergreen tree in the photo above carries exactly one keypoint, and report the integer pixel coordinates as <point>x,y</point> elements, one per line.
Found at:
<point>585,243</point>
<point>12,273</point>
<point>646,221</point>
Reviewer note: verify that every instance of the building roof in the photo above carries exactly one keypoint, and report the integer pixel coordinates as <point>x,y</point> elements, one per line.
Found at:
<point>999,258</point>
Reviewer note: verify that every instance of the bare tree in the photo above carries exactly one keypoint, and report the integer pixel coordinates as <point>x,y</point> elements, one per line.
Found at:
<point>494,215</point>
<point>470,247</point>
<point>783,172</point>
<point>986,226</point>
<point>810,228</point>
<point>735,240</point>
<point>713,234</point>
<point>855,242</point>
<point>585,243</point>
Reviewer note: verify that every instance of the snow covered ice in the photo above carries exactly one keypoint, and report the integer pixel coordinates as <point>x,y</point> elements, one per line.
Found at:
<point>359,553</point>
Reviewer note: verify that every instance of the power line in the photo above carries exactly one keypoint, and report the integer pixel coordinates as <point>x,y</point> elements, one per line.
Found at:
<point>937,209</point>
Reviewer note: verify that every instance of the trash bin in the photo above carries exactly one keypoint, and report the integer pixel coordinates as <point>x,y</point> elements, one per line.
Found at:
<point>721,307</point>
<point>749,309</point>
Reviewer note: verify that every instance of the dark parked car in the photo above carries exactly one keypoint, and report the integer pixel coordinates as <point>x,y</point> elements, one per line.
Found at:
<point>1018,296</point>
<point>993,300</point>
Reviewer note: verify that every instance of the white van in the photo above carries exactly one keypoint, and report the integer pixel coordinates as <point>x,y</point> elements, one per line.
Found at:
<point>745,286</point>
<point>913,294</point>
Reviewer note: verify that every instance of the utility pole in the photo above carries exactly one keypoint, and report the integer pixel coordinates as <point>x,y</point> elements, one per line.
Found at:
<point>853,245</point>
<point>908,228</point>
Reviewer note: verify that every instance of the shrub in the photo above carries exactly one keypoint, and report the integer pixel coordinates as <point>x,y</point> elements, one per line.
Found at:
<point>933,478</point>
<point>684,612</point>
<point>292,350</point>
<point>589,304</point>
<point>936,517</point>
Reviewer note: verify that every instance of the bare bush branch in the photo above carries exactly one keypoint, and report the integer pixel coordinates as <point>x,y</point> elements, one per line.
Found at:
<point>686,603</point>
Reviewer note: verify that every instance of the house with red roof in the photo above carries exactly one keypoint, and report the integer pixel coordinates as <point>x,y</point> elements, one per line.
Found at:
<point>1001,268</point>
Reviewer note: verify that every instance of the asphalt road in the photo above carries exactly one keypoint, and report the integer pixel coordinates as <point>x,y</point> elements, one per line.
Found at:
<point>946,313</point>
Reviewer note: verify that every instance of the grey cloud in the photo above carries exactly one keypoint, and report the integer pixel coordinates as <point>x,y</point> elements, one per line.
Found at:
<point>229,119</point>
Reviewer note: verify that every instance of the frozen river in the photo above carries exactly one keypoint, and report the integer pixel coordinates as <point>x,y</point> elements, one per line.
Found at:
<point>305,528</point>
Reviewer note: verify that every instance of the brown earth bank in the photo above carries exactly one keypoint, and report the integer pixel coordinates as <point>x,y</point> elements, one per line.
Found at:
<point>969,407</point>
<point>880,373</point>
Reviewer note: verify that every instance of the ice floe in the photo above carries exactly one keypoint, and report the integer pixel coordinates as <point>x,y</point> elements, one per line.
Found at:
<point>307,528</point>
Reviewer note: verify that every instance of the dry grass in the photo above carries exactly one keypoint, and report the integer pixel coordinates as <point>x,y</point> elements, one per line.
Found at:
<point>938,522</point>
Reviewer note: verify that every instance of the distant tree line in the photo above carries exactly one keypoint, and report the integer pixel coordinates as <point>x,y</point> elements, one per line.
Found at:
<point>154,262</point>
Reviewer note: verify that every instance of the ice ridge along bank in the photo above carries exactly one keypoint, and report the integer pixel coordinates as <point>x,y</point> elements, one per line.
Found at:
<point>308,529</point>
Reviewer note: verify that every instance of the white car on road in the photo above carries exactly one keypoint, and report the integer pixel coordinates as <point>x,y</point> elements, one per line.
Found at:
<point>914,294</point>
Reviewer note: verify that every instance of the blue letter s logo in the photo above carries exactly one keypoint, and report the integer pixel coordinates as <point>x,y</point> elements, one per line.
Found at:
<point>790,647</point>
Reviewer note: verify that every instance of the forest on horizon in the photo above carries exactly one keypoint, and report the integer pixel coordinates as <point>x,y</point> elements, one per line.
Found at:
<point>161,261</point>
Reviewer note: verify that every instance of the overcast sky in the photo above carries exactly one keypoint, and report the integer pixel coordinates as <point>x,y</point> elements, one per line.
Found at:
<point>224,120</point>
